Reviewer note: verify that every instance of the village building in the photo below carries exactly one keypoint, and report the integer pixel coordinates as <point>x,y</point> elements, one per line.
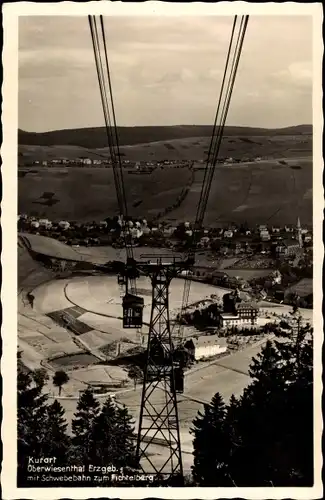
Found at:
<point>63,224</point>
<point>206,346</point>
<point>228,233</point>
<point>287,247</point>
<point>47,224</point>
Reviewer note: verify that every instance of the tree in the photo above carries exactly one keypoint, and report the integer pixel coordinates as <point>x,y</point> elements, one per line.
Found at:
<point>87,412</point>
<point>125,439</point>
<point>57,443</point>
<point>210,445</point>
<point>265,438</point>
<point>135,373</point>
<point>112,437</point>
<point>59,379</point>
<point>42,430</point>
<point>40,376</point>
<point>103,447</point>
<point>31,408</point>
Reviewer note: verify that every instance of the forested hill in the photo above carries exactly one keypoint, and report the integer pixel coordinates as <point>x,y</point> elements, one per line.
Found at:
<point>96,137</point>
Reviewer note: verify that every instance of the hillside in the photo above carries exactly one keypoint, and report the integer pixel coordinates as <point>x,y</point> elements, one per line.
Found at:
<point>96,137</point>
<point>190,148</point>
<point>30,272</point>
<point>272,191</point>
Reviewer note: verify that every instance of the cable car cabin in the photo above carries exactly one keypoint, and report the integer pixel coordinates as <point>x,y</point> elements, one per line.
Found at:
<point>132,311</point>
<point>179,380</point>
<point>121,279</point>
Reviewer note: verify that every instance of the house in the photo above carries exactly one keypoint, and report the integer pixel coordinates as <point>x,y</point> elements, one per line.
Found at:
<point>227,320</point>
<point>246,316</point>
<point>262,227</point>
<point>45,223</point>
<point>264,235</point>
<point>204,241</point>
<point>206,346</point>
<point>247,312</point>
<point>287,247</point>
<point>63,224</point>
<point>228,233</point>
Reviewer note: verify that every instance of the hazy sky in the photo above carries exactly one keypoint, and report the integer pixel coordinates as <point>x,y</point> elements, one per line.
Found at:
<point>165,71</point>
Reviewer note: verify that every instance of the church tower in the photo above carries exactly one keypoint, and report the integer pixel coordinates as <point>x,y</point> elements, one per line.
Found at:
<point>299,235</point>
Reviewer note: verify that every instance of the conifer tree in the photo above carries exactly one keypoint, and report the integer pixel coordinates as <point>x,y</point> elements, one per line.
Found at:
<point>31,408</point>
<point>103,446</point>
<point>125,439</point>
<point>267,435</point>
<point>210,445</point>
<point>88,409</point>
<point>57,443</point>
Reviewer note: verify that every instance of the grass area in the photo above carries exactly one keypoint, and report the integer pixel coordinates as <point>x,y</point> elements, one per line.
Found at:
<point>87,194</point>
<point>257,192</point>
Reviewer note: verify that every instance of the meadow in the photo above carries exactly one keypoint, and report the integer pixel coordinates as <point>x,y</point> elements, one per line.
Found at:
<point>260,192</point>
<point>87,194</point>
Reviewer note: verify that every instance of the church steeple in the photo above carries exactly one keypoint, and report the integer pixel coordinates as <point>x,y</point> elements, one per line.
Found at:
<point>299,235</point>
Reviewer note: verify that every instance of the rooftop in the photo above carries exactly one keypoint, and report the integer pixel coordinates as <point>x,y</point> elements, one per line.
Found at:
<point>205,340</point>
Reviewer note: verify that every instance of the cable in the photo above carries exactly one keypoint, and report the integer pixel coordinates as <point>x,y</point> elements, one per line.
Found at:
<point>112,137</point>
<point>215,146</point>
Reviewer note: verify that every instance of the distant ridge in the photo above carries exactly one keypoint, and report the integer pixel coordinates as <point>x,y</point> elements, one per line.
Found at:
<point>96,137</point>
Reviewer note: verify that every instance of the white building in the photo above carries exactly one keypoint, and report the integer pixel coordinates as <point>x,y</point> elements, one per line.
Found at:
<point>264,235</point>
<point>228,320</point>
<point>207,346</point>
<point>228,233</point>
<point>47,224</point>
<point>64,224</point>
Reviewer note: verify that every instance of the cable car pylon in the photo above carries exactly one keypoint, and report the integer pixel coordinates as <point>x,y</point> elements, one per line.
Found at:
<point>158,421</point>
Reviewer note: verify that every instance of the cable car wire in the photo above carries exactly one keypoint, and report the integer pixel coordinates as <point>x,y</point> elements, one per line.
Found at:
<point>216,138</point>
<point>112,136</point>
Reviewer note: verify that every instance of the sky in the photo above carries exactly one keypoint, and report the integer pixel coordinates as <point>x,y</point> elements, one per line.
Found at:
<point>164,70</point>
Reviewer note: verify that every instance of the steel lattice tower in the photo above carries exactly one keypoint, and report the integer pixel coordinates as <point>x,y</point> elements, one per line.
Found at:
<point>158,414</point>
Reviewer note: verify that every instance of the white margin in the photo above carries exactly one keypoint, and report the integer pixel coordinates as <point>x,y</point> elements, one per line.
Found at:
<point>11,12</point>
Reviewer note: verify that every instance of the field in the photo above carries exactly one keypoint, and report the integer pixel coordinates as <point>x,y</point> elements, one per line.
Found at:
<point>257,192</point>
<point>87,194</point>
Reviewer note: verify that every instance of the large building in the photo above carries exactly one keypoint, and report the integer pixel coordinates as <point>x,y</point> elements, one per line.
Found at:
<point>238,312</point>
<point>287,247</point>
<point>206,346</point>
<point>244,315</point>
